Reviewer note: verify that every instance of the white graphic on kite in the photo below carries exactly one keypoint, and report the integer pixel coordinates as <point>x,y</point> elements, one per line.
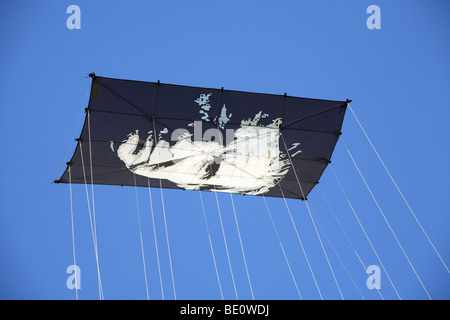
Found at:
<point>249,164</point>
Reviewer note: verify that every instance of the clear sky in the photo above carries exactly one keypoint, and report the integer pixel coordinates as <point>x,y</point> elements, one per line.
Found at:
<point>397,77</point>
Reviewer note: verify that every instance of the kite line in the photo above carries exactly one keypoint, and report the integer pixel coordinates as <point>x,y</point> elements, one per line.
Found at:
<point>398,188</point>
<point>311,216</point>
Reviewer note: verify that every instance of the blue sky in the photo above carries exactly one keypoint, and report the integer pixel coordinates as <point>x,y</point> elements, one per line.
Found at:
<point>397,77</point>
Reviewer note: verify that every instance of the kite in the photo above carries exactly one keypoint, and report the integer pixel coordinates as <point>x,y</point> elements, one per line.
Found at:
<point>192,138</point>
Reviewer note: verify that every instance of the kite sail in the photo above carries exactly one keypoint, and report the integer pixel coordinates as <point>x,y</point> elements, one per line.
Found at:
<point>193,138</point>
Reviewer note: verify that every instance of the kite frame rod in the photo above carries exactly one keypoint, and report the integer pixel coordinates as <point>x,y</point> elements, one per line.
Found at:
<point>147,117</point>
<point>343,106</point>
